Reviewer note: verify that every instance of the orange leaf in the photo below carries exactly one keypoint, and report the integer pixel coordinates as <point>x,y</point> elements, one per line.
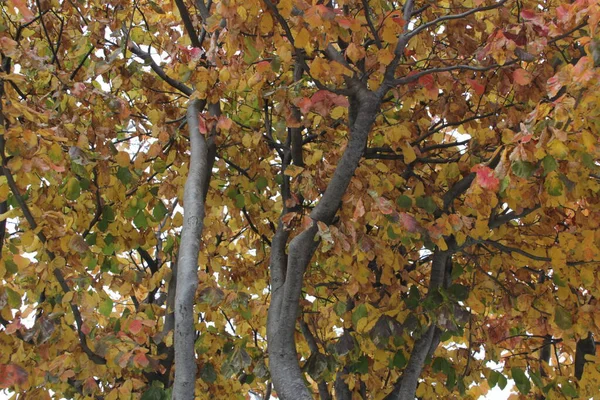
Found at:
<point>476,86</point>
<point>521,77</point>
<point>141,360</point>
<point>135,326</point>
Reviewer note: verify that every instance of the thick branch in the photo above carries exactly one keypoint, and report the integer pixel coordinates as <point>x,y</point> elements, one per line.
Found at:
<point>187,23</point>
<point>286,281</point>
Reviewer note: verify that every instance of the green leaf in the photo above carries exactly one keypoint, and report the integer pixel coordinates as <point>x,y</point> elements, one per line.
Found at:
<point>502,381</point>
<point>521,380</point>
<point>553,185</point>
<point>154,393</point>
<point>536,379</point>
<point>427,204</point>
<point>361,366</point>
<point>562,318</point>
<point>523,169</point>
<point>568,389</point>
<point>359,313</point>
<point>73,189</point>
<point>251,54</point>
<point>391,234</point>
<point>413,298</point>
<point>159,211</point>
<point>493,378</point>
<point>140,221</point>
<point>11,267</point>
<point>261,183</point>
<point>124,175</point>
<point>14,298</point>
<point>106,307</point>
<point>459,292</point>
<point>549,164</point>
<point>239,201</point>
<point>404,201</point>
<point>208,373</point>
<point>399,360</point>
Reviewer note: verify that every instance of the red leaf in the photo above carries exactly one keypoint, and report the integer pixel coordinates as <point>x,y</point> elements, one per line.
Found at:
<point>345,22</point>
<point>202,125</point>
<point>135,326</point>
<point>427,81</point>
<point>528,14</point>
<point>385,206</point>
<point>409,222</point>
<point>11,375</point>
<point>476,86</point>
<point>486,177</point>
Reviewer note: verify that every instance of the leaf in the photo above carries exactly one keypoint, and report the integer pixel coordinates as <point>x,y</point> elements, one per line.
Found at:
<point>562,318</point>
<point>486,177</point>
<point>73,189</point>
<point>159,211</point>
<point>12,375</point>
<point>408,152</point>
<point>521,380</point>
<point>135,326</point>
<point>359,313</point>
<point>404,201</point>
<point>106,307</point>
<point>523,169</point>
<point>427,204</point>
<point>522,77</point>
<point>154,393</point>
<point>208,373</point>
<point>477,87</point>
<point>23,8</point>
<point>568,389</point>
<point>140,220</point>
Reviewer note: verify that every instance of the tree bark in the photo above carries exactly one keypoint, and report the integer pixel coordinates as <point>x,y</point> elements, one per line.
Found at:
<point>187,264</point>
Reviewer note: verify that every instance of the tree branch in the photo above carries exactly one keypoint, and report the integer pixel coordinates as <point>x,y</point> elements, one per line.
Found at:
<point>135,49</point>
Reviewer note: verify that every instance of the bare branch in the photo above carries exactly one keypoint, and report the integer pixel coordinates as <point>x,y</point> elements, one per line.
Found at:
<point>453,17</point>
<point>187,23</point>
<point>135,49</point>
<point>415,77</point>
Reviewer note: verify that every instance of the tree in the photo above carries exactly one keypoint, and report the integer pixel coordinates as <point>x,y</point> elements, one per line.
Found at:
<point>380,198</point>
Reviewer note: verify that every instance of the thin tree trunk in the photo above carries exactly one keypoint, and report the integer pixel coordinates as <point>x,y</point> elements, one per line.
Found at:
<point>187,264</point>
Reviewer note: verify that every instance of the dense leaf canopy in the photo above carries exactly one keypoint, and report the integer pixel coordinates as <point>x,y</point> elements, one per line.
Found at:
<point>408,190</point>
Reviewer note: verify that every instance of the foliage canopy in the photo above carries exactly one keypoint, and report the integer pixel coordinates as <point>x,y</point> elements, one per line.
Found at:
<point>380,198</point>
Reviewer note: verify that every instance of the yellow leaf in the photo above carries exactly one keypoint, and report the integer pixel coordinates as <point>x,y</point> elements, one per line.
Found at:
<point>9,214</point>
<point>409,153</point>
<point>302,39</point>
<point>293,171</point>
<point>382,167</point>
<point>266,23</point>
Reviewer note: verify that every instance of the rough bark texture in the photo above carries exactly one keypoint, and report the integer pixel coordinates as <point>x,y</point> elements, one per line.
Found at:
<point>187,264</point>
